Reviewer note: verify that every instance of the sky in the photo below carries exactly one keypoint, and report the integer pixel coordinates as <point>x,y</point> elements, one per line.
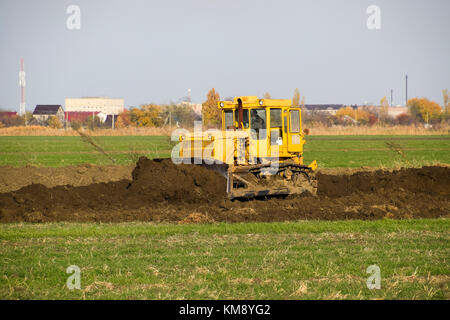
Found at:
<point>153,51</point>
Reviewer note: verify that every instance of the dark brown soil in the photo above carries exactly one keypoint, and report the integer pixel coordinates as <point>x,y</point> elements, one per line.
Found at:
<point>162,191</point>
<point>13,178</point>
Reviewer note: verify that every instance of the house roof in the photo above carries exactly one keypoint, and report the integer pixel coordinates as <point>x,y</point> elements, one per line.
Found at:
<point>7,114</point>
<point>46,109</point>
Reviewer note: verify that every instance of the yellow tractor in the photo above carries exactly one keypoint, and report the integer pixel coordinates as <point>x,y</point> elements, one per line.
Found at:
<point>259,149</point>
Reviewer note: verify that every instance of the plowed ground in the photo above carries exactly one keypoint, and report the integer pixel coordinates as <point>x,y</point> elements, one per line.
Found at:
<point>160,191</point>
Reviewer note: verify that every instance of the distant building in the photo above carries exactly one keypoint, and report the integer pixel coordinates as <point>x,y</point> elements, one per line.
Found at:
<point>79,116</point>
<point>8,114</point>
<point>43,112</point>
<point>395,111</point>
<point>392,112</point>
<point>325,108</point>
<point>196,107</point>
<point>109,119</point>
<point>104,105</point>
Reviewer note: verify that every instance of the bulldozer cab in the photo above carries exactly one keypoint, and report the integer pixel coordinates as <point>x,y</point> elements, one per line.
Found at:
<point>273,125</point>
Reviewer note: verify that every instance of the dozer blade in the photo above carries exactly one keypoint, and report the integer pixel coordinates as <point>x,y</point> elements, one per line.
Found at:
<point>261,180</point>
<point>255,181</point>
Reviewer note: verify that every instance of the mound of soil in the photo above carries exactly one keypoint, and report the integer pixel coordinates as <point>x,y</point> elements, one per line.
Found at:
<point>161,180</point>
<point>427,180</point>
<point>12,178</point>
<point>162,191</point>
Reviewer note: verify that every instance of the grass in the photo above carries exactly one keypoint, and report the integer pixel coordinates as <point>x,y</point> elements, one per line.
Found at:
<point>376,151</point>
<point>131,131</point>
<point>296,260</point>
<point>56,151</point>
<point>329,151</point>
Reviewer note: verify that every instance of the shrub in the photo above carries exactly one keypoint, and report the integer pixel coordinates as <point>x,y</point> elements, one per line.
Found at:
<point>404,119</point>
<point>75,125</point>
<point>54,122</point>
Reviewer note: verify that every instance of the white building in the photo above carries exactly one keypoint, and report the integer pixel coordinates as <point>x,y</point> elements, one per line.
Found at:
<point>104,105</point>
<point>197,107</point>
<point>395,111</point>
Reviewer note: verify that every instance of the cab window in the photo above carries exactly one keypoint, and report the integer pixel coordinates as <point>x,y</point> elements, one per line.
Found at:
<point>228,114</point>
<point>276,137</point>
<point>294,121</point>
<point>275,118</point>
<point>258,123</point>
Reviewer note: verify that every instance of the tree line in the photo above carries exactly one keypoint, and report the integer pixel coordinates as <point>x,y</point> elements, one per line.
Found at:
<point>420,111</point>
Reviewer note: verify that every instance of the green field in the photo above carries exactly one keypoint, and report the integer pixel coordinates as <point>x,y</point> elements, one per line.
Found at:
<point>298,260</point>
<point>329,151</point>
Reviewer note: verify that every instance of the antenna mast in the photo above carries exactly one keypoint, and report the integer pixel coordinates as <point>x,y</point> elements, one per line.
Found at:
<point>22,85</point>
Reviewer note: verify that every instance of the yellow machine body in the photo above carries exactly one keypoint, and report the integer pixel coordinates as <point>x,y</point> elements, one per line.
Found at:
<point>259,148</point>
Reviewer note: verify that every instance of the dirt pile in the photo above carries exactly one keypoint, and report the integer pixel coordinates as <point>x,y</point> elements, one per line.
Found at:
<point>161,180</point>
<point>162,191</point>
<point>12,178</point>
<point>426,180</point>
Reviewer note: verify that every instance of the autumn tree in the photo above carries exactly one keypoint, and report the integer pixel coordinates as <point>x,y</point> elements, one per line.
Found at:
<point>384,108</point>
<point>210,110</point>
<point>346,111</point>
<point>181,114</point>
<point>9,121</point>
<point>54,122</point>
<point>296,98</point>
<point>404,119</point>
<point>267,95</point>
<point>446,101</point>
<point>119,124</point>
<point>424,110</point>
<point>357,115</point>
<point>27,117</point>
<point>148,115</point>
<point>123,119</point>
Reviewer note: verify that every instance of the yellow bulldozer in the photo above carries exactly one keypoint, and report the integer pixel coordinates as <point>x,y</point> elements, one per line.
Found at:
<point>259,148</point>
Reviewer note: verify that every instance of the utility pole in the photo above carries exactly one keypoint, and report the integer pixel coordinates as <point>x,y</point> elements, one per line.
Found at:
<point>392,97</point>
<point>406,80</point>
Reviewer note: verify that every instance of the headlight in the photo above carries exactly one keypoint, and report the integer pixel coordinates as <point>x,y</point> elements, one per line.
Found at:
<point>260,102</point>
<point>221,104</point>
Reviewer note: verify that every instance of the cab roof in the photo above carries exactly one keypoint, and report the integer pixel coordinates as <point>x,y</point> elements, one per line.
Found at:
<point>254,101</point>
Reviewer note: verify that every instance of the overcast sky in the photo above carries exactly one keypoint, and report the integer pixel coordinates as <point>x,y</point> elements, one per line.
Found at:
<point>154,50</point>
